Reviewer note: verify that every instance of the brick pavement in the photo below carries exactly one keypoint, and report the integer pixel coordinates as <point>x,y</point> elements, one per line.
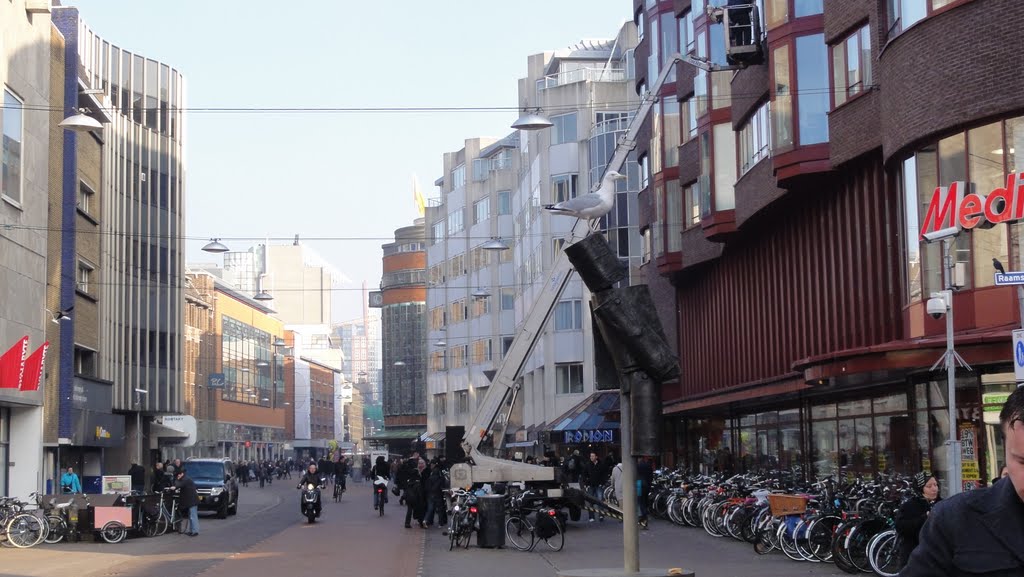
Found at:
<point>596,545</point>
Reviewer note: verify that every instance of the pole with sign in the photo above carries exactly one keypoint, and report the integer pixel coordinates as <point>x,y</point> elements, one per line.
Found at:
<point>1018,356</point>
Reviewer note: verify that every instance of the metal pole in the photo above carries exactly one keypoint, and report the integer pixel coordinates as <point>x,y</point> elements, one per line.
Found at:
<point>138,428</point>
<point>1020,303</point>
<point>953,455</point>
<point>630,529</point>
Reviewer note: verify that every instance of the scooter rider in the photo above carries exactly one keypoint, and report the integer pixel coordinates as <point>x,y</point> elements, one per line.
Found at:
<point>310,477</point>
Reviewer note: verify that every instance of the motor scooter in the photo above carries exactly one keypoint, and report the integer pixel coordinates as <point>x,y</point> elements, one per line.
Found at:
<point>311,504</point>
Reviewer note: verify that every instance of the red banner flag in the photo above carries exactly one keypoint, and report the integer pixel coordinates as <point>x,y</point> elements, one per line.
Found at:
<point>34,368</point>
<point>12,363</point>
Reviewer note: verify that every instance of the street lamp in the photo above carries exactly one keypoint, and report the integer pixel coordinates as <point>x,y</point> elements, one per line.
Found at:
<point>138,423</point>
<point>80,122</point>
<point>215,246</point>
<point>532,121</point>
<point>494,244</point>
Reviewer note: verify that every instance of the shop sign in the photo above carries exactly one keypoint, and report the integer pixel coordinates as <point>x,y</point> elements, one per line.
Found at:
<point>589,436</point>
<point>952,209</point>
<point>994,401</point>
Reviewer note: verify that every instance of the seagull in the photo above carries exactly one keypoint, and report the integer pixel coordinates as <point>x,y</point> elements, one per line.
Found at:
<point>592,205</point>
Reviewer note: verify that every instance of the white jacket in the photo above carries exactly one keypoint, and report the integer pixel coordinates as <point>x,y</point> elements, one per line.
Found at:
<point>617,481</point>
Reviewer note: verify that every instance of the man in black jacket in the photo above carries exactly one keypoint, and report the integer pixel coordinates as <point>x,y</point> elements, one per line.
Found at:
<point>980,532</point>
<point>594,476</point>
<point>138,475</point>
<point>188,500</point>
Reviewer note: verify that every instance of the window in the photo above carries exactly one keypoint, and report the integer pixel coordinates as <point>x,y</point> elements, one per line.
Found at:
<point>437,231</point>
<point>85,195</point>
<point>564,129</point>
<point>569,315</point>
<point>686,42</point>
<point>569,378</point>
<point>481,210</point>
<point>10,184</point>
<point>754,139</point>
<point>438,361</point>
<point>673,216</point>
<point>688,116</point>
<point>508,299</point>
<point>506,344</point>
<point>481,352</point>
<point>459,356</point>
<point>455,221</point>
<point>638,19</point>
<point>456,266</point>
<point>851,65</point>
<point>782,105</point>
<point>85,362</point>
<point>457,311</point>
<point>563,187</point>
<point>84,277</point>
<point>437,318</point>
<point>670,109</point>
<point>645,171</point>
<point>653,68</point>
<point>645,255</point>
<point>669,42</point>
<point>440,404</point>
<point>691,206</point>
<point>704,180</point>
<point>481,306</point>
<point>905,13</point>
<point>462,401</point>
<point>459,177</point>
<point>811,76</point>
<point>504,202</point>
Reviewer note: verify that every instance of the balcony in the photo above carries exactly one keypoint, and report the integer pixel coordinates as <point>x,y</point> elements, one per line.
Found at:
<point>581,75</point>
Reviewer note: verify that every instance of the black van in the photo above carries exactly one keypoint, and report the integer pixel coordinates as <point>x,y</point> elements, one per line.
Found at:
<point>215,483</point>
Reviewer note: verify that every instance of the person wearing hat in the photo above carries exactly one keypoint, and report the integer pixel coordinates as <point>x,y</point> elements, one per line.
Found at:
<point>188,500</point>
<point>914,512</point>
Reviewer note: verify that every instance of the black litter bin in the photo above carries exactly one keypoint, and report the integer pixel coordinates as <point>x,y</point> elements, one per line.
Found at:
<point>491,518</point>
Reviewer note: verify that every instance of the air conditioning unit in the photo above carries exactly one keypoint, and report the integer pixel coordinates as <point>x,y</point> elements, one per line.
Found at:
<point>37,6</point>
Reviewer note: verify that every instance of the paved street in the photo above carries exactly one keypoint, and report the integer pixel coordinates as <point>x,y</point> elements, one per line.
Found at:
<point>268,537</point>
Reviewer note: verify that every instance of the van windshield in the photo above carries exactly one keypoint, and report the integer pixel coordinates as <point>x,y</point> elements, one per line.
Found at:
<point>204,471</point>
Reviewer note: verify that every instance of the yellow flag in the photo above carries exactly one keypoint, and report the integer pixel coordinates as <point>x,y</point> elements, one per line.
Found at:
<point>418,196</point>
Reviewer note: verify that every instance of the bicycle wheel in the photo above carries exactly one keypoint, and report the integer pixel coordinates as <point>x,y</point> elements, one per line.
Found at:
<point>556,541</point>
<point>163,522</point>
<point>819,537</point>
<point>519,533</point>
<point>465,535</point>
<point>24,530</point>
<point>113,532</point>
<point>453,533</point>
<point>57,529</point>
<point>884,554</point>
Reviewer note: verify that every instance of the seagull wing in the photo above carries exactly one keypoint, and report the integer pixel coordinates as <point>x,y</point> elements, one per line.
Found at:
<point>589,200</point>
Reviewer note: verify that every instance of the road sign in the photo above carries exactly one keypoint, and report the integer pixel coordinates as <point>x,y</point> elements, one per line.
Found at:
<point>1018,354</point>
<point>1009,278</point>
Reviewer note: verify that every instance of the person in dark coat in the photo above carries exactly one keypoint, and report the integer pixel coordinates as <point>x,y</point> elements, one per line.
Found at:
<point>644,480</point>
<point>414,483</point>
<point>138,475</point>
<point>980,532</point>
<point>913,513</point>
<point>188,500</point>
<point>383,470</point>
<point>161,480</point>
<point>435,496</point>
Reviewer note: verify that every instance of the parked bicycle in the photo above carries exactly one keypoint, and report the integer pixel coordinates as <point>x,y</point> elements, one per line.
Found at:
<point>523,532</point>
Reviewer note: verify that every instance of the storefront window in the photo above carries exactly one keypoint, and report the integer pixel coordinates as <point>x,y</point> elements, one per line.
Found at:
<point>823,411</point>
<point>858,407</point>
<point>953,168</point>
<point>931,253</point>
<point>791,454</point>
<point>890,404</point>
<point>824,450</point>
<point>986,170</point>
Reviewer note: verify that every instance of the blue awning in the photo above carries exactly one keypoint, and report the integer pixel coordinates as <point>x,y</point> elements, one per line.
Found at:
<point>591,414</point>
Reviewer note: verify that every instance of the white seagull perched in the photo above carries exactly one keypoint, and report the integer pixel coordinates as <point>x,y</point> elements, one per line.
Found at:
<point>592,205</point>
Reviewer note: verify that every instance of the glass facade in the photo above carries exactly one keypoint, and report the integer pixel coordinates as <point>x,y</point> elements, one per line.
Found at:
<point>982,157</point>
<point>404,333</point>
<point>247,364</point>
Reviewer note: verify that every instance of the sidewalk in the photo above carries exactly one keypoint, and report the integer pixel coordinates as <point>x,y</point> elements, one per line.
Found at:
<point>599,545</point>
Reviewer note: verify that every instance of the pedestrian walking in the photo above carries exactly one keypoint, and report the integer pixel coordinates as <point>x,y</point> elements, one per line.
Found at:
<point>594,477</point>
<point>436,484</point>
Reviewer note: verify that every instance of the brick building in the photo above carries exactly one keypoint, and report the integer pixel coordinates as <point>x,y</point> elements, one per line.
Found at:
<point>784,245</point>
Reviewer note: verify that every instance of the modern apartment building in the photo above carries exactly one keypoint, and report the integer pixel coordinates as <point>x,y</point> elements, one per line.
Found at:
<point>141,222</point>
<point>588,92</point>
<point>470,285</point>
<point>790,233</point>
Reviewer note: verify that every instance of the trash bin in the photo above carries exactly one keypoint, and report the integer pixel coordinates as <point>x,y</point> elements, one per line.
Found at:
<point>491,520</point>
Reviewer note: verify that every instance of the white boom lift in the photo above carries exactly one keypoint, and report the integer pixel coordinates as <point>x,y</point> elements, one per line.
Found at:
<point>504,388</point>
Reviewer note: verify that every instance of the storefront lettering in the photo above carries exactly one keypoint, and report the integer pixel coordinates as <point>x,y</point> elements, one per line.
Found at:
<point>592,436</point>
<point>953,208</point>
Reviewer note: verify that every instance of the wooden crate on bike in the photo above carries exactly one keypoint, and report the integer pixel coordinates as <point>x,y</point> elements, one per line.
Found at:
<point>787,505</point>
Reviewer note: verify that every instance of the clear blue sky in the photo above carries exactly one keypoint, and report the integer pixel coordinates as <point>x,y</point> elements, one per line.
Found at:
<point>341,176</point>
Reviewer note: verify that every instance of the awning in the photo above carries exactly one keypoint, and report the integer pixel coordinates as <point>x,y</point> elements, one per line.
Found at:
<point>436,437</point>
<point>396,435</point>
<point>158,430</point>
<point>590,414</point>
<point>521,444</point>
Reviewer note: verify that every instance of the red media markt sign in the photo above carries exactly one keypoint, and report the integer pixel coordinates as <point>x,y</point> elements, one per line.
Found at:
<point>952,210</point>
